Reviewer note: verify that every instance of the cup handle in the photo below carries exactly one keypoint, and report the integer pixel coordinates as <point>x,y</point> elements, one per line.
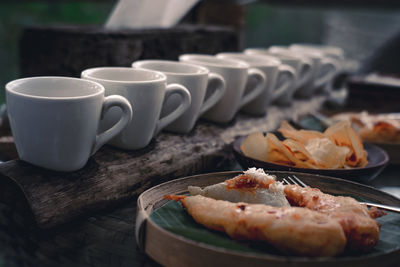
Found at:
<point>217,82</point>
<point>305,72</point>
<point>258,88</point>
<point>183,106</point>
<point>111,101</point>
<point>333,65</point>
<point>287,84</point>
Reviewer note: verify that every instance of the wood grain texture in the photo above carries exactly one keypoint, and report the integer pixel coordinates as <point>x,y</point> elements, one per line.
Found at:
<point>105,239</point>
<point>114,175</point>
<point>7,146</point>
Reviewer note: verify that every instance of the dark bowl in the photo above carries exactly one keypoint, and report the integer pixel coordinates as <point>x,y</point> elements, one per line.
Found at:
<point>393,151</point>
<point>377,161</point>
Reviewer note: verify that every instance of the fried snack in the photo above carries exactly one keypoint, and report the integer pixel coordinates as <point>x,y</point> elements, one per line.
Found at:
<point>253,186</point>
<point>374,128</point>
<point>299,135</point>
<point>326,154</point>
<point>281,154</point>
<point>338,147</point>
<point>268,148</point>
<point>343,135</point>
<point>360,228</point>
<point>381,132</point>
<point>292,230</point>
<point>254,146</point>
<point>299,151</point>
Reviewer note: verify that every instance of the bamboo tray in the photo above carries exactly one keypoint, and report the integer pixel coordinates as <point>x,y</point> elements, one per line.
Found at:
<point>172,249</point>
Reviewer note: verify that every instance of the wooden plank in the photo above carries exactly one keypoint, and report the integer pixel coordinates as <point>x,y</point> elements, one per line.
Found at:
<point>7,146</point>
<point>105,239</point>
<point>113,175</point>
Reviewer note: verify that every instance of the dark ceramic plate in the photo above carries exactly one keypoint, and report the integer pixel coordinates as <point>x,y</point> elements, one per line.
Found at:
<point>393,150</point>
<point>377,158</point>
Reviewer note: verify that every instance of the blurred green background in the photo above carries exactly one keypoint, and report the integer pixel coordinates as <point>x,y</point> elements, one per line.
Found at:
<point>17,14</point>
<point>282,25</point>
<point>358,30</point>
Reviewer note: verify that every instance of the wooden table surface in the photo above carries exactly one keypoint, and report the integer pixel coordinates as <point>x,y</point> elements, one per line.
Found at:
<point>105,237</point>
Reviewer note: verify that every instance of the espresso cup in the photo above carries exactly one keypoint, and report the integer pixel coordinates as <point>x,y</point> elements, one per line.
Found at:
<point>206,89</point>
<point>54,120</point>
<point>280,80</point>
<point>303,68</point>
<point>332,52</point>
<point>238,92</point>
<point>147,91</point>
<point>325,69</point>
<point>329,51</point>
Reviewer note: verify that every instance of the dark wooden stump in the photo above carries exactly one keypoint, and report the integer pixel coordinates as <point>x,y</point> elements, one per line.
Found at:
<point>67,50</point>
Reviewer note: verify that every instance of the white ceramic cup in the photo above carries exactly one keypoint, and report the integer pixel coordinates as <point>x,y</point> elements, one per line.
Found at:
<point>206,89</point>
<point>147,91</point>
<point>54,120</point>
<point>236,75</point>
<point>325,69</point>
<point>280,80</point>
<point>302,66</point>
<point>332,52</point>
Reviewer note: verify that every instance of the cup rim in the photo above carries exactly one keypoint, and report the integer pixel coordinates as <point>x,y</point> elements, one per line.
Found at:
<point>12,84</point>
<point>288,55</point>
<point>252,60</point>
<point>261,51</point>
<point>258,49</point>
<point>86,75</point>
<point>196,59</point>
<point>330,49</point>
<point>311,53</point>
<point>202,70</point>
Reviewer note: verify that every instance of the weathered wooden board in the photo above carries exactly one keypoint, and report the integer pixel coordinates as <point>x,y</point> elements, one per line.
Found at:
<point>113,175</point>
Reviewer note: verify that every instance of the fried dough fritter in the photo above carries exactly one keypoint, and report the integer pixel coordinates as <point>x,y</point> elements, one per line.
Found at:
<point>296,231</point>
<point>361,230</point>
<point>254,186</point>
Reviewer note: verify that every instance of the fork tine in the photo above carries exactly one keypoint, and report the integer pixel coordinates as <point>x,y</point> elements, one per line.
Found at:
<point>299,182</point>
<point>286,181</point>
<point>292,181</point>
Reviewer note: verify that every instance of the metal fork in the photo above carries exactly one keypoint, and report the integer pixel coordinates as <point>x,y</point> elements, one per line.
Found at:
<point>293,179</point>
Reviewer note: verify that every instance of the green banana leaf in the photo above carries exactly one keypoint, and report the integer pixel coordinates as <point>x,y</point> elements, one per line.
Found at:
<point>173,217</point>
